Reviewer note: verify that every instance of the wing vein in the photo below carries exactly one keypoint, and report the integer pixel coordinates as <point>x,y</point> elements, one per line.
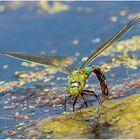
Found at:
<point>56,62</point>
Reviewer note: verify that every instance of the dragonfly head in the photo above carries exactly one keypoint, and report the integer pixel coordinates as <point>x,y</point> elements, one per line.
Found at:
<point>76,82</point>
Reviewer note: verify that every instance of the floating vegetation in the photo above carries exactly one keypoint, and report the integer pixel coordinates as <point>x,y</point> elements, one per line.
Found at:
<point>96,40</point>
<point>27,77</point>
<point>125,46</point>
<point>44,6</point>
<point>124,55</point>
<point>56,7</point>
<point>27,64</point>
<point>2,82</point>
<point>127,61</point>
<point>113,18</point>
<point>123,12</point>
<point>5,66</point>
<point>75,42</point>
<point>84,59</point>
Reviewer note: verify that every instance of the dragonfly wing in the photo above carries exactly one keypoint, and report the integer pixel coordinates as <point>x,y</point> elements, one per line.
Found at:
<point>56,62</point>
<point>111,41</point>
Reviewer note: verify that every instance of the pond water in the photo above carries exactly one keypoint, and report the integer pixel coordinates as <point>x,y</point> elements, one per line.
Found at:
<point>76,31</point>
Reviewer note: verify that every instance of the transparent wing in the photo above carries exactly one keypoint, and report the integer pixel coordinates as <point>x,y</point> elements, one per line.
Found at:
<point>56,62</point>
<point>111,41</point>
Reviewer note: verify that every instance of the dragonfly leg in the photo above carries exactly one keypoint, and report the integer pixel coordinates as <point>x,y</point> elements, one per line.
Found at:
<point>85,102</point>
<point>66,102</point>
<point>74,102</point>
<point>101,77</point>
<point>92,93</point>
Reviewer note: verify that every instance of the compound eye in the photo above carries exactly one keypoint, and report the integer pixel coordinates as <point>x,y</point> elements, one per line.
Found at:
<point>70,78</point>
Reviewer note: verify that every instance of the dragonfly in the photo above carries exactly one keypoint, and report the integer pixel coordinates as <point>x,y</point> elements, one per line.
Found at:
<point>77,78</point>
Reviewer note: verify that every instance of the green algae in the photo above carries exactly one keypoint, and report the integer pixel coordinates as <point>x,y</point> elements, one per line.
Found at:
<point>122,53</point>
<point>53,9</point>
<point>41,6</point>
<point>124,48</point>
<point>27,77</point>
<point>113,119</point>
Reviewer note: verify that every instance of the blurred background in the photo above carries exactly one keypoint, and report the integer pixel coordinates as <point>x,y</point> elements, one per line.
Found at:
<point>70,28</point>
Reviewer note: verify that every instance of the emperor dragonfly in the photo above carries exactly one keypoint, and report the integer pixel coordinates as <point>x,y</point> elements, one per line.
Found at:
<point>77,78</point>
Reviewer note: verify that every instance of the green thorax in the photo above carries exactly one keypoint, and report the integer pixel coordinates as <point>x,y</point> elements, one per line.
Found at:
<point>77,81</point>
